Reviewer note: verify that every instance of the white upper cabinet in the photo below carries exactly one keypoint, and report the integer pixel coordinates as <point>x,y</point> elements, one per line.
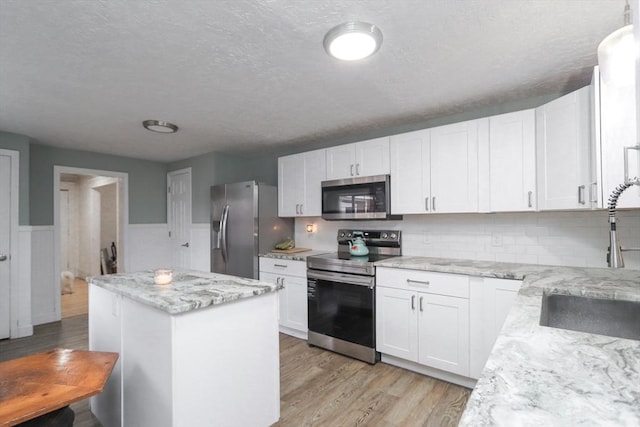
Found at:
<point>512,162</point>
<point>563,148</point>
<point>299,183</point>
<point>365,158</point>
<point>436,170</point>
<point>618,131</point>
<point>410,165</point>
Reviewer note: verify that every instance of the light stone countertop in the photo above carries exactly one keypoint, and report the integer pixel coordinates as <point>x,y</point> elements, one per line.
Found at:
<point>189,290</point>
<point>298,256</point>
<point>538,375</point>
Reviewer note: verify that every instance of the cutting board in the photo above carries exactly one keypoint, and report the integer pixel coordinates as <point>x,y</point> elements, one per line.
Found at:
<point>289,251</point>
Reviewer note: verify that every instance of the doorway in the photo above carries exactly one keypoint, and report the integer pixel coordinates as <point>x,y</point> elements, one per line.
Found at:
<point>8,243</point>
<point>90,217</point>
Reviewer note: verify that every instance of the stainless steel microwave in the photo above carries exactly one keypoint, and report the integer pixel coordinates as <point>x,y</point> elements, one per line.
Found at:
<point>357,198</point>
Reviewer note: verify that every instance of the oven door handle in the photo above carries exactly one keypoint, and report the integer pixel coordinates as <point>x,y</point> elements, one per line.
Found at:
<point>341,278</point>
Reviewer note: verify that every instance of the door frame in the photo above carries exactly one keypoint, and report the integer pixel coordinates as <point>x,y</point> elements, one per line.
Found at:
<point>14,289</point>
<point>124,214</point>
<point>190,224</point>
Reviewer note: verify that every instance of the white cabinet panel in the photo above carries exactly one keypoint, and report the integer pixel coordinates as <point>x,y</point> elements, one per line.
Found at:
<point>563,149</point>
<point>396,326</point>
<point>491,301</point>
<point>410,180</point>
<point>292,299</point>
<point>444,333</point>
<point>364,158</point>
<point>512,161</point>
<point>618,130</point>
<point>293,310</point>
<point>299,183</point>
<point>454,167</point>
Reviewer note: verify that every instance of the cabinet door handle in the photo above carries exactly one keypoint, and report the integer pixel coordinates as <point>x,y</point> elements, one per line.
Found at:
<point>297,209</point>
<point>351,170</point>
<point>357,168</point>
<point>433,204</point>
<point>421,298</point>
<point>3,257</point>
<point>282,281</point>
<point>301,211</point>
<point>426,204</point>
<point>413,302</point>
<point>581,194</point>
<point>417,282</point>
<point>635,179</point>
<point>529,202</point>
<point>593,197</point>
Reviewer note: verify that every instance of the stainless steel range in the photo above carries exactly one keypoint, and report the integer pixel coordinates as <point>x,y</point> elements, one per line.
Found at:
<point>341,294</point>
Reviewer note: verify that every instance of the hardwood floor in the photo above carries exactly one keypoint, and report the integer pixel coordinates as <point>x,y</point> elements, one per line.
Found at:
<point>76,303</point>
<point>317,387</point>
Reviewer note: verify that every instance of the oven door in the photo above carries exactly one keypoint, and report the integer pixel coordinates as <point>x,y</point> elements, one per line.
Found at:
<point>342,306</point>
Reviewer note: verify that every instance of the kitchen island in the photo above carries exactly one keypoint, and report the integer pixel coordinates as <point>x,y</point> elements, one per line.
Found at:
<point>200,351</point>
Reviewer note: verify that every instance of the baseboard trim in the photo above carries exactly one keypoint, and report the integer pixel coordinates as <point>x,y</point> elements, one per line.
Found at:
<point>431,372</point>
<point>24,331</point>
<point>294,332</point>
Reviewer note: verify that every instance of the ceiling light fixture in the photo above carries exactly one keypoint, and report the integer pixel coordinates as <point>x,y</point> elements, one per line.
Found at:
<point>616,54</point>
<point>160,126</point>
<point>352,41</point>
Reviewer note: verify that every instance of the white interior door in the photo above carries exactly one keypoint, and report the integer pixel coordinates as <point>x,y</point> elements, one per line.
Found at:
<point>5,246</point>
<point>179,217</point>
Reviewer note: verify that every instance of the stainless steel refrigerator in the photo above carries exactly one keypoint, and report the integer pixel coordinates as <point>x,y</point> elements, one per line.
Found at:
<point>244,223</point>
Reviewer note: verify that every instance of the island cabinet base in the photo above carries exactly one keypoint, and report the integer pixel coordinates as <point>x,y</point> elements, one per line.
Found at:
<point>215,366</point>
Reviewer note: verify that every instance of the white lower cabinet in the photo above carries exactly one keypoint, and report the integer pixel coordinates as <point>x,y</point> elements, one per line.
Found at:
<point>423,317</point>
<point>449,322</point>
<point>292,298</point>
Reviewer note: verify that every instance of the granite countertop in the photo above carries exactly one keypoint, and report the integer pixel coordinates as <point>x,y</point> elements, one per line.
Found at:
<point>298,256</point>
<point>538,375</point>
<point>188,291</point>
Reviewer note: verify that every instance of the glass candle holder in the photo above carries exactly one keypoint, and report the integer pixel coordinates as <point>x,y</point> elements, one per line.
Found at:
<point>163,276</point>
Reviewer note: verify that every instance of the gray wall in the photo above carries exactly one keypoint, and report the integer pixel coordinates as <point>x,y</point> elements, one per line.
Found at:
<point>217,168</point>
<point>147,182</point>
<point>20,143</point>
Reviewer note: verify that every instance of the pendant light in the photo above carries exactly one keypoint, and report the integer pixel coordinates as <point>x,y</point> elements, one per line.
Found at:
<point>616,54</point>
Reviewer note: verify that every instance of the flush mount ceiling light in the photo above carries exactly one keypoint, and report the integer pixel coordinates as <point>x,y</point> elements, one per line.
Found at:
<point>353,40</point>
<point>160,126</point>
<point>616,56</point>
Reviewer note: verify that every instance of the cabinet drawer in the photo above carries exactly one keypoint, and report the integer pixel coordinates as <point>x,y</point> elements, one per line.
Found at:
<point>283,266</point>
<point>423,281</point>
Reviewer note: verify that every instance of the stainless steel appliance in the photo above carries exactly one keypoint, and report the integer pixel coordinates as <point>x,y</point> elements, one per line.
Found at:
<point>341,294</point>
<point>244,223</point>
<point>357,198</point>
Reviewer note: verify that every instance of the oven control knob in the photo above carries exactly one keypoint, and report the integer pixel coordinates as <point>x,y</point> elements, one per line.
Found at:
<point>342,234</point>
<point>393,236</point>
<point>349,234</point>
<point>384,235</point>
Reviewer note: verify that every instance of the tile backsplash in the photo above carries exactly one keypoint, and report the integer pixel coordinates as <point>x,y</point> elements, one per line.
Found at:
<point>552,238</point>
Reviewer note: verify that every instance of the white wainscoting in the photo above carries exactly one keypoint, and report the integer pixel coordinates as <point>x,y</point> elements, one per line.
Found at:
<point>45,289</point>
<point>25,326</point>
<point>200,247</point>
<point>148,247</point>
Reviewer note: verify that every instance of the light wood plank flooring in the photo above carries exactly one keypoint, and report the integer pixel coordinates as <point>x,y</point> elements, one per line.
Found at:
<point>317,387</point>
<point>76,303</point>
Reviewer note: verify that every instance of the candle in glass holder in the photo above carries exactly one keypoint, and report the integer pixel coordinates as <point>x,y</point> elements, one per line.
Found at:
<point>163,276</point>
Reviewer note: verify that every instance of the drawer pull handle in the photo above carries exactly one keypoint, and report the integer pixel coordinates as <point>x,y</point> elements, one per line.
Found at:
<point>418,282</point>
<point>280,265</point>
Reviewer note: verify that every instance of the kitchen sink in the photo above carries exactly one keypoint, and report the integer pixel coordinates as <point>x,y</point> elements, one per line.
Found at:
<point>615,318</point>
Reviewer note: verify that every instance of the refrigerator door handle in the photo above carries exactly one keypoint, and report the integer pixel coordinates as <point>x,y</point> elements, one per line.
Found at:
<point>223,232</point>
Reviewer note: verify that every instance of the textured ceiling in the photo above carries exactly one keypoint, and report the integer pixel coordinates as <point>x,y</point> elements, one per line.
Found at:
<point>243,76</point>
